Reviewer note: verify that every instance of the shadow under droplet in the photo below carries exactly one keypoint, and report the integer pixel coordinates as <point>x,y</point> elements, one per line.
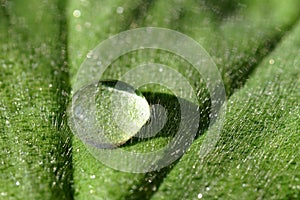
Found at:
<point>167,128</point>
<point>172,105</point>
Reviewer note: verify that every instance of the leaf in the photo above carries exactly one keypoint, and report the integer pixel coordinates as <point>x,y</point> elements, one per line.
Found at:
<point>257,155</point>
<point>35,151</point>
<point>237,43</point>
<point>43,44</point>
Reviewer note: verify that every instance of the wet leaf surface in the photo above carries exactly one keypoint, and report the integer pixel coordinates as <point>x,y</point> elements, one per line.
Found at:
<point>255,45</point>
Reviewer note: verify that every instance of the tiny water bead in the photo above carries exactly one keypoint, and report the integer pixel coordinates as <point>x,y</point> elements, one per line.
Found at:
<point>108,113</point>
<point>76,13</point>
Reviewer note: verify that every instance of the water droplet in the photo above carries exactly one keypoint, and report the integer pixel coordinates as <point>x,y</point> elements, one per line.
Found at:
<point>200,196</point>
<point>3,193</point>
<point>76,13</point>
<point>120,10</point>
<point>108,113</point>
<point>99,63</point>
<point>90,54</point>
<point>93,176</point>
<point>154,188</point>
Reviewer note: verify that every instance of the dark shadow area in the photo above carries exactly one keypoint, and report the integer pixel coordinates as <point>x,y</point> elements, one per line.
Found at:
<point>238,80</point>
<point>64,174</point>
<point>4,14</point>
<point>221,9</point>
<point>140,13</point>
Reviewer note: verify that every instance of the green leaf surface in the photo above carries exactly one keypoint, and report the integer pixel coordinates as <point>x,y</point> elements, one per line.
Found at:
<point>35,152</point>
<point>257,156</point>
<point>237,43</point>
<point>255,45</point>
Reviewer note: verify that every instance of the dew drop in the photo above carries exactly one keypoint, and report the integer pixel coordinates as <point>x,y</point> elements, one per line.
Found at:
<point>99,63</point>
<point>90,54</point>
<point>108,113</point>
<point>120,10</point>
<point>93,176</point>
<point>3,193</point>
<point>76,13</point>
<point>200,196</point>
<point>271,61</point>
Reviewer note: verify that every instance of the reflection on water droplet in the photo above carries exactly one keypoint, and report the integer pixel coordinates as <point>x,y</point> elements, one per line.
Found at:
<point>108,113</point>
